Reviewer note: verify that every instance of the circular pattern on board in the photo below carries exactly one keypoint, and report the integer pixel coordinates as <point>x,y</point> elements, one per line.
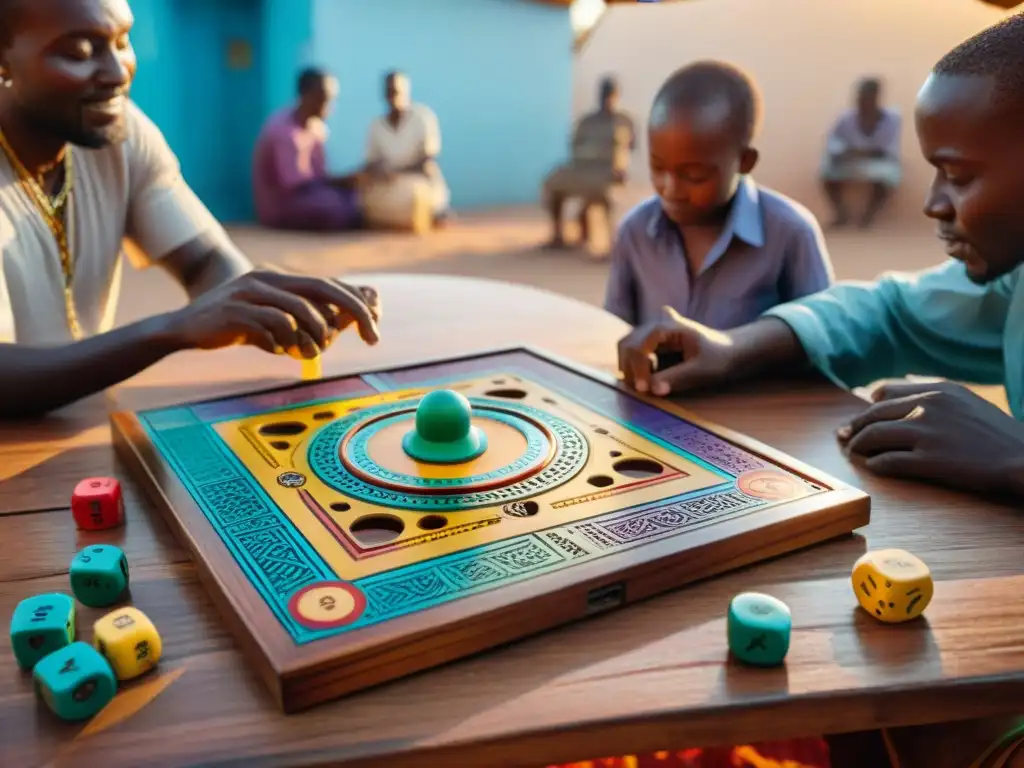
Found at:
<point>768,484</point>
<point>327,604</point>
<point>539,450</point>
<point>556,452</point>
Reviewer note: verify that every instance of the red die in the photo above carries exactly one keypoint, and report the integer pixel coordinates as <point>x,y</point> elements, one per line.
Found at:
<point>97,504</point>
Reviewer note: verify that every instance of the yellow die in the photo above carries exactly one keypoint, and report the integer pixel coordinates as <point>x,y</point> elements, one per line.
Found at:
<point>892,585</point>
<point>129,641</point>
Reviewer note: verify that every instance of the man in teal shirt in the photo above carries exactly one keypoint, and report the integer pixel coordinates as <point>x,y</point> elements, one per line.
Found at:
<point>962,320</point>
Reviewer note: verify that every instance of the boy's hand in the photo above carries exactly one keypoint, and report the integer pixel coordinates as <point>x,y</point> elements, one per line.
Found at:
<point>940,432</point>
<point>707,355</point>
<point>276,312</point>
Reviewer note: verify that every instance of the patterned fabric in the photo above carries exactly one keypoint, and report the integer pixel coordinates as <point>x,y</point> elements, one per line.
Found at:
<point>798,753</point>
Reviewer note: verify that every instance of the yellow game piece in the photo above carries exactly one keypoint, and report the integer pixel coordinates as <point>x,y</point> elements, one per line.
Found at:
<point>312,368</point>
<point>129,641</point>
<point>892,585</point>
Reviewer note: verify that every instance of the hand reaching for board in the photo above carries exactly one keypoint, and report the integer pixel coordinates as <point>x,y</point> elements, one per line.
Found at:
<point>277,312</point>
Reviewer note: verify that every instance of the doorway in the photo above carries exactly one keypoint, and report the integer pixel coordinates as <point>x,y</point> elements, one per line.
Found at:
<point>220,101</point>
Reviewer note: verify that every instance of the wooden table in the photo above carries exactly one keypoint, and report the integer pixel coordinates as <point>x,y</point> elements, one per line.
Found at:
<point>652,676</point>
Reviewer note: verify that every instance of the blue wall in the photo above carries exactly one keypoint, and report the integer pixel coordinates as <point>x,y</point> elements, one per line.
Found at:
<point>288,41</point>
<point>156,89</point>
<point>498,73</point>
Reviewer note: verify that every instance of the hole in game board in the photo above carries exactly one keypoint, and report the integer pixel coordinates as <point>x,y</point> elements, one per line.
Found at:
<point>507,394</point>
<point>521,508</point>
<point>281,445</point>
<point>638,468</point>
<point>601,481</point>
<point>433,522</point>
<point>341,506</point>
<point>323,415</point>
<point>283,428</point>
<point>374,530</point>
<point>615,454</point>
<point>549,401</point>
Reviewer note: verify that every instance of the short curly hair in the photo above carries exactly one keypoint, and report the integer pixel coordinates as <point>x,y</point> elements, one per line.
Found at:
<point>703,83</point>
<point>996,52</point>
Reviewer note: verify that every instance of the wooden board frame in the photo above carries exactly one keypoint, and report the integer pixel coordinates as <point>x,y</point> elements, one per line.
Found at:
<point>301,676</point>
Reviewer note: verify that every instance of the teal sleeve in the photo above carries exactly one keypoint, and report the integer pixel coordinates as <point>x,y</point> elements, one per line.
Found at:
<point>931,323</point>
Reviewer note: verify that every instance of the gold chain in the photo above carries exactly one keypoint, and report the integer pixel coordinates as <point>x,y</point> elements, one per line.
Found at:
<point>57,216</point>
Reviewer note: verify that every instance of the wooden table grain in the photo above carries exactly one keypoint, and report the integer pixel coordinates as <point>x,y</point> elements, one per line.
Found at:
<point>652,676</point>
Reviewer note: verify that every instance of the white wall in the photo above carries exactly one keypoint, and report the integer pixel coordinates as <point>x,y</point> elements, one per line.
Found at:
<point>805,56</point>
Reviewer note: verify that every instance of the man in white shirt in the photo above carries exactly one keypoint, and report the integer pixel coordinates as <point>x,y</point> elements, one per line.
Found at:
<point>863,146</point>
<point>82,170</point>
<point>406,189</point>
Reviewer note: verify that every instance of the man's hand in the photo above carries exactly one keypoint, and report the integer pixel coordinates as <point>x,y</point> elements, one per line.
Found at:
<point>707,355</point>
<point>939,432</point>
<point>276,312</point>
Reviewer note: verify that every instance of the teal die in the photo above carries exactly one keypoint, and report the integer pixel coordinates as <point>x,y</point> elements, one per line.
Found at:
<point>99,575</point>
<point>759,627</point>
<point>76,682</point>
<point>41,625</point>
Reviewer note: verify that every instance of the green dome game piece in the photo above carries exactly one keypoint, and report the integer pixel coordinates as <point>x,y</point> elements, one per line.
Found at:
<point>759,628</point>
<point>444,432</point>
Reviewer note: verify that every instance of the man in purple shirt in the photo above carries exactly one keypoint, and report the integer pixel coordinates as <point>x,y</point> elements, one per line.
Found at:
<point>292,187</point>
<point>863,146</point>
<point>712,244</point>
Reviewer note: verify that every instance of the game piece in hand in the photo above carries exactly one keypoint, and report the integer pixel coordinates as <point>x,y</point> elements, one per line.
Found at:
<point>312,368</point>
<point>41,625</point>
<point>99,575</point>
<point>76,682</point>
<point>129,641</point>
<point>892,585</point>
<point>759,628</point>
<point>97,504</point>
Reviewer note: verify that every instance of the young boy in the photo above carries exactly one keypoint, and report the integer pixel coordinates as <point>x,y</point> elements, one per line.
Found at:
<point>712,244</point>
<point>962,320</point>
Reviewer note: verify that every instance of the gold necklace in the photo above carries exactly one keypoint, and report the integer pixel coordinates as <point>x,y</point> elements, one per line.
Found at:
<point>56,214</point>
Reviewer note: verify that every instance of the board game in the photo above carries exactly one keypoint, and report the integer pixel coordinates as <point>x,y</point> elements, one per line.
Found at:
<point>357,529</point>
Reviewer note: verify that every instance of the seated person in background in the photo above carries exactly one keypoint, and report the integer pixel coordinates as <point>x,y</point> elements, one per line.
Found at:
<point>601,146</point>
<point>291,185</point>
<point>59,284</point>
<point>863,146</point>
<point>962,320</point>
<point>405,187</point>
<point>712,243</point>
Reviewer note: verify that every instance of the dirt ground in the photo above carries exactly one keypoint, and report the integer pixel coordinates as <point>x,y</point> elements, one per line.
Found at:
<point>504,245</point>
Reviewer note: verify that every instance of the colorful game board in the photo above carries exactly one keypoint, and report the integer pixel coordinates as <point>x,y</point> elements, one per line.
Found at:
<point>357,529</point>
